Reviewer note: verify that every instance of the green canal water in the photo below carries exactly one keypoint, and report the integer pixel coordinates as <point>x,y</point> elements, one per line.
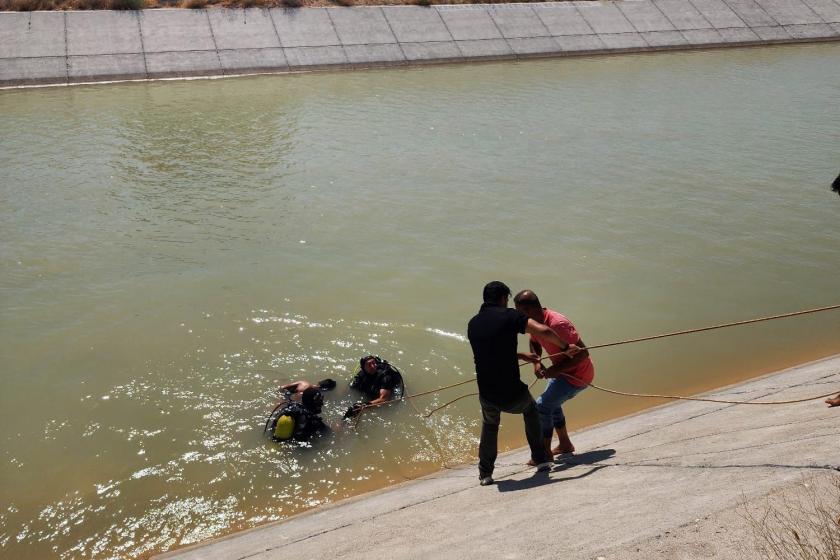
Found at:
<point>173,251</point>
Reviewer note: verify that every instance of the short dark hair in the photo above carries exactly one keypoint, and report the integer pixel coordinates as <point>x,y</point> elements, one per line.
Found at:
<point>835,186</point>
<point>494,291</point>
<point>312,399</point>
<point>369,357</point>
<point>326,384</point>
<point>527,298</point>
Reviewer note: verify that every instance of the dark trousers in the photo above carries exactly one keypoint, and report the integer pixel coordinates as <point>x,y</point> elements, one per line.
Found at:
<point>492,416</point>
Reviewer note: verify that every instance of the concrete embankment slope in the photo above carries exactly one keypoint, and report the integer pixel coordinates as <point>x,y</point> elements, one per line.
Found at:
<point>679,471</point>
<point>72,47</point>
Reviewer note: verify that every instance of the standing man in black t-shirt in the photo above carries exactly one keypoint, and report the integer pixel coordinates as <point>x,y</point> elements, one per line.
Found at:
<point>492,333</point>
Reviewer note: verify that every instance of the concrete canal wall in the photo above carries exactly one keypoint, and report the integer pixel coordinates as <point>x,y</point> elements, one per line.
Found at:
<point>670,482</point>
<point>72,47</point>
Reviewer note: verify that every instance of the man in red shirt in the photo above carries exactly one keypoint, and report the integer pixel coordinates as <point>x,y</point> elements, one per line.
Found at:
<point>567,376</point>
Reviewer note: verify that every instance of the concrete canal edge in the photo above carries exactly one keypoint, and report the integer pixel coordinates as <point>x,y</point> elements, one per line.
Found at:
<point>95,46</point>
<point>658,484</point>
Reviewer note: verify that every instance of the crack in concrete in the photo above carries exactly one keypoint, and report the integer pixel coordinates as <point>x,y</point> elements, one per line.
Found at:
<point>756,446</point>
<point>738,431</point>
<point>706,413</point>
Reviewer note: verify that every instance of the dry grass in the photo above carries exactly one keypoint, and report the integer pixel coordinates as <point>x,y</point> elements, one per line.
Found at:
<point>803,525</point>
<point>30,5</point>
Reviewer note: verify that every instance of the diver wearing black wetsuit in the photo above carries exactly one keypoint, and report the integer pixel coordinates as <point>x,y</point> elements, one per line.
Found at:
<point>297,420</point>
<point>377,379</point>
<point>384,377</point>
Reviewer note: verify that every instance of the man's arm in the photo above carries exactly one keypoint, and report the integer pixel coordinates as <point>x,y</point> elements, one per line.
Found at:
<point>538,329</point>
<point>384,395</point>
<point>568,364</point>
<point>536,349</point>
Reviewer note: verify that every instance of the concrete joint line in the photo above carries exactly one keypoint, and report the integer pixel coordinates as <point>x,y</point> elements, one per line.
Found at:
<point>706,413</point>
<point>215,45</point>
<point>539,19</point>
<point>277,33</point>
<point>680,31</point>
<point>737,15</point>
<point>760,9</point>
<point>449,31</point>
<point>822,19</point>
<point>489,13</point>
<point>589,25</point>
<point>729,450</point>
<point>371,518</point>
<point>633,25</point>
<point>728,432</point>
<point>391,29</point>
<point>66,49</point>
<point>142,44</point>
<point>284,545</point>
<point>537,14</point>
<point>335,30</point>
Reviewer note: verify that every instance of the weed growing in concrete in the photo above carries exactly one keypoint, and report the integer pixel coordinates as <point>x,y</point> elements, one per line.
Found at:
<point>802,524</point>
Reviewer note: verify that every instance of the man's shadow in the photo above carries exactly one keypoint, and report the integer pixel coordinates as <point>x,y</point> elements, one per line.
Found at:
<point>543,478</point>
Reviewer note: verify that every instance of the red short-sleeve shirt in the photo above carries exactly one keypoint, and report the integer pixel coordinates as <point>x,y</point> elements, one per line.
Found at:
<point>584,372</point>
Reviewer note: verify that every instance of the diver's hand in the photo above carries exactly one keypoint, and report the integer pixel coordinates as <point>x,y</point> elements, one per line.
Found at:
<point>354,410</point>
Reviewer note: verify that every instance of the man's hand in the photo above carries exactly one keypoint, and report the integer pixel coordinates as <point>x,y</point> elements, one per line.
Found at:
<point>529,357</point>
<point>572,350</point>
<point>539,370</point>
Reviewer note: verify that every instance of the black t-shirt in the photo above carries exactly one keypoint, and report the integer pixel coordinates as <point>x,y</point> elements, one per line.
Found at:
<point>386,377</point>
<point>492,333</point>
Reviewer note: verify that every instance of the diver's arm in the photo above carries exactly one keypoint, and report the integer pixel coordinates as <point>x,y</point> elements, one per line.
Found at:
<point>384,395</point>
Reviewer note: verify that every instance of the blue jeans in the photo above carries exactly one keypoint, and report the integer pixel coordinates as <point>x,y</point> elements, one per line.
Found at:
<point>549,404</point>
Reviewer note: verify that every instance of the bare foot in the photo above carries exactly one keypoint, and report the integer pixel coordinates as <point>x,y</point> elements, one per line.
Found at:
<point>562,450</point>
<point>833,402</point>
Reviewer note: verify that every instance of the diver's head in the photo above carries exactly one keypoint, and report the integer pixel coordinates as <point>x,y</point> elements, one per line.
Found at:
<point>326,384</point>
<point>312,399</point>
<point>369,364</point>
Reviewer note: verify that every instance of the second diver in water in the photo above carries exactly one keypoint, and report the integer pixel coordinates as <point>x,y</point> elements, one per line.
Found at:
<point>378,380</point>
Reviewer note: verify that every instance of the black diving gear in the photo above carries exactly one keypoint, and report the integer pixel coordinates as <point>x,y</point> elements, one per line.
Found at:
<point>297,420</point>
<point>385,377</point>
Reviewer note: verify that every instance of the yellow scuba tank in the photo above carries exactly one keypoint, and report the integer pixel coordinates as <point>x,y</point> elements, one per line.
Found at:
<point>284,428</point>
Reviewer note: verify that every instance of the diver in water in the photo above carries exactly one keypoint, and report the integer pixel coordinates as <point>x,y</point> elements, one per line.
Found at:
<point>297,420</point>
<point>378,380</point>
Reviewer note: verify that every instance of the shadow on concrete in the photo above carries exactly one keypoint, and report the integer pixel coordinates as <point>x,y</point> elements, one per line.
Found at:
<point>587,458</point>
<point>543,478</point>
